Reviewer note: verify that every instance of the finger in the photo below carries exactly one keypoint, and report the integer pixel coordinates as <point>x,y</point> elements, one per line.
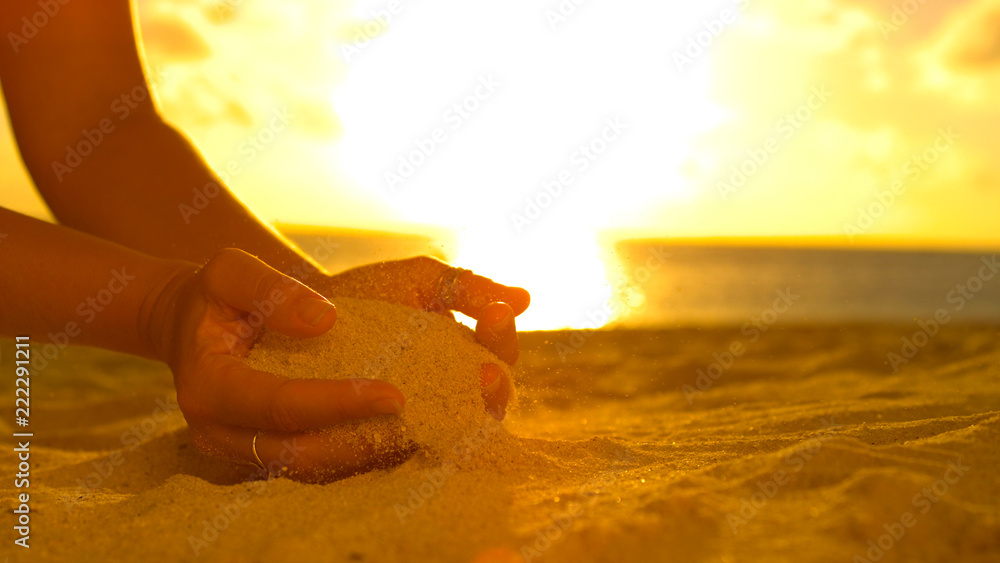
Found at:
<point>238,395</point>
<point>318,456</point>
<point>474,292</point>
<point>330,454</point>
<point>496,330</point>
<point>241,281</point>
<point>496,390</point>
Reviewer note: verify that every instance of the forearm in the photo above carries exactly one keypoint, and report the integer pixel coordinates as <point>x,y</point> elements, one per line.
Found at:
<point>145,186</point>
<point>60,284</point>
<point>100,154</point>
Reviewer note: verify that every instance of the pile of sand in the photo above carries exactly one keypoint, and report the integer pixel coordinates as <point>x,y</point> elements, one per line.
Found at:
<point>432,359</point>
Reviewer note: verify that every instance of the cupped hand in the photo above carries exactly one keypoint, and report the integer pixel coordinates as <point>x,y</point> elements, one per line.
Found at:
<point>432,285</point>
<point>206,321</point>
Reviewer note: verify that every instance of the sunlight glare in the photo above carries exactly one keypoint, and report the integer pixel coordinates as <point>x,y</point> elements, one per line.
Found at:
<point>532,105</point>
<point>565,275</point>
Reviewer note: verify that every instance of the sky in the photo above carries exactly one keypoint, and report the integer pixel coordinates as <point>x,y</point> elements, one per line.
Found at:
<point>530,130</point>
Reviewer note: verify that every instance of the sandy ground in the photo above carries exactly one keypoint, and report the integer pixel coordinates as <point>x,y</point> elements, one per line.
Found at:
<point>807,447</point>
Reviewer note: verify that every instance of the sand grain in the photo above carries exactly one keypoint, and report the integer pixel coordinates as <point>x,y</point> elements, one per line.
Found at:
<point>432,359</point>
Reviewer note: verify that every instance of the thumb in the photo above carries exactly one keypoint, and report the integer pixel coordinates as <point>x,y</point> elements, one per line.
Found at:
<point>241,281</point>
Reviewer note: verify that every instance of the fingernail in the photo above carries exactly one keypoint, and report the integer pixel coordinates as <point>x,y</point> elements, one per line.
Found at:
<point>498,413</point>
<point>490,378</point>
<point>502,323</point>
<point>387,406</point>
<point>312,310</point>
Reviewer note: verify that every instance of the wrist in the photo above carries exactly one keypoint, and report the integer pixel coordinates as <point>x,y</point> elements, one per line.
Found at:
<point>159,311</point>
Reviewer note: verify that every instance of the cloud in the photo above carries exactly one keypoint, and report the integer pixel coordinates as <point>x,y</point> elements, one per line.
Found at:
<point>892,94</point>
<point>972,41</point>
<point>229,64</point>
<point>960,61</point>
<point>173,39</point>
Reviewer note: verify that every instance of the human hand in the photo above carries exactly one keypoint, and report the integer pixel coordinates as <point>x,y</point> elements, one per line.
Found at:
<point>429,284</point>
<point>204,322</point>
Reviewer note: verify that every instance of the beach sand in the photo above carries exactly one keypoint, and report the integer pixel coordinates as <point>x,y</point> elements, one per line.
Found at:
<point>807,447</point>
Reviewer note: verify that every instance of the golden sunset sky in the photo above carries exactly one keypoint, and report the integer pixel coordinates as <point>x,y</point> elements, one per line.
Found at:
<point>740,118</point>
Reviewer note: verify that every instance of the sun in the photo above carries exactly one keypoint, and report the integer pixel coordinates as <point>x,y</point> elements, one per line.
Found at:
<point>565,276</point>
<point>526,149</point>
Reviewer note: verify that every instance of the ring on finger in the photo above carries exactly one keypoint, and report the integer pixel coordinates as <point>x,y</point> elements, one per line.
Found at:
<point>446,286</point>
<point>253,447</point>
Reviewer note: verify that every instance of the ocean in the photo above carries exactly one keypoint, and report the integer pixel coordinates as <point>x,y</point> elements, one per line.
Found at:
<point>674,284</point>
<point>724,285</point>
